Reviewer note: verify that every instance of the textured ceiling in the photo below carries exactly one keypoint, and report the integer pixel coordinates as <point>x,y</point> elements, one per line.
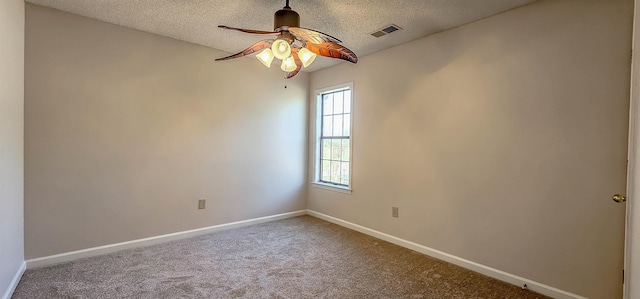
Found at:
<point>352,21</point>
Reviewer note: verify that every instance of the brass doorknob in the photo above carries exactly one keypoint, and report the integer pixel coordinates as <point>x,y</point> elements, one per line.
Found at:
<point>619,198</point>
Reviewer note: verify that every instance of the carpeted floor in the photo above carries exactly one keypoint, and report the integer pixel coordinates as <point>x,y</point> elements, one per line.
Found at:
<point>300,257</point>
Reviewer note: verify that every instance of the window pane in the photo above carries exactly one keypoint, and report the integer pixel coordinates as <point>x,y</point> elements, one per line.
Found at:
<point>337,125</point>
<point>326,171</point>
<point>334,160</point>
<point>347,101</point>
<point>327,104</point>
<point>346,125</point>
<point>327,126</point>
<point>345,150</point>
<point>337,102</point>
<point>344,173</point>
<point>326,149</point>
<point>335,172</point>
<point>336,151</point>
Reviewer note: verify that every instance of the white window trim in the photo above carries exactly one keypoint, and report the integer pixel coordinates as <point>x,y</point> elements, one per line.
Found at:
<point>316,140</point>
<point>331,187</point>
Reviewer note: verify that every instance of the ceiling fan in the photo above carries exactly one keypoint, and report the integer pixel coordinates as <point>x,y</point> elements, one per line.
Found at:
<point>297,47</point>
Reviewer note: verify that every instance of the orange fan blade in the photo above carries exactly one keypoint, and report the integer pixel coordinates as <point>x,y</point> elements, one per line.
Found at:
<point>333,50</point>
<point>248,30</point>
<point>254,48</point>
<point>313,36</point>
<point>296,58</point>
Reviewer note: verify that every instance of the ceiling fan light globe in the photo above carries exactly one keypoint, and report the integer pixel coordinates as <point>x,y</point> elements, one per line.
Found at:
<point>306,56</point>
<point>266,57</point>
<point>281,49</point>
<point>288,65</point>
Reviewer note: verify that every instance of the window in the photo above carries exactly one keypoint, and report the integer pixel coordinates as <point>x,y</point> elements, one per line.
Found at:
<point>333,161</point>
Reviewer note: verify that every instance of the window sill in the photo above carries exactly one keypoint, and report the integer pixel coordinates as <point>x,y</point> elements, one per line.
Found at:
<point>330,187</point>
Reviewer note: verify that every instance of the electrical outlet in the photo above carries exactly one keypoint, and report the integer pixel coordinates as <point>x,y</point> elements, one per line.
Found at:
<point>202,204</point>
<point>394,212</point>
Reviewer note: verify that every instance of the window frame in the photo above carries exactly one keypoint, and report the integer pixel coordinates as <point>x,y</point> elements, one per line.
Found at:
<point>317,168</point>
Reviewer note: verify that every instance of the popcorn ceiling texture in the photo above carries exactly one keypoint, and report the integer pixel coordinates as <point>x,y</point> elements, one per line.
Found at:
<point>301,257</point>
<point>351,21</point>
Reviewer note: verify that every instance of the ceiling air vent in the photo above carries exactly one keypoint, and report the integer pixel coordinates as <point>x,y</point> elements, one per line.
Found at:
<point>386,30</point>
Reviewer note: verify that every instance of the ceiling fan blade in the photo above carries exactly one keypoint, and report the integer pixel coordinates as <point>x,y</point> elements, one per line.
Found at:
<point>248,30</point>
<point>252,49</point>
<point>313,36</point>
<point>333,50</point>
<point>296,58</point>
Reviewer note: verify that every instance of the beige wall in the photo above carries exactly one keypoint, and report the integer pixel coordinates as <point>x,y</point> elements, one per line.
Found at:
<point>126,130</point>
<point>500,141</point>
<point>11,139</point>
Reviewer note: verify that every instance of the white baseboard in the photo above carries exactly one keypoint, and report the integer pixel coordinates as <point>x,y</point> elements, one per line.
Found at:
<point>491,272</point>
<point>89,252</point>
<point>15,281</point>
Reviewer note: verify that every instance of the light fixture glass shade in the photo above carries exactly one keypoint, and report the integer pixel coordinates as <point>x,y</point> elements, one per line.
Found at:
<point>281,49</point>
<point>306,56</point>
<point>266,57</point>
<point>288,65</point>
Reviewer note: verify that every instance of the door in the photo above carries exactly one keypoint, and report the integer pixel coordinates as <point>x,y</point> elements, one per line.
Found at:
<point>632,236</point>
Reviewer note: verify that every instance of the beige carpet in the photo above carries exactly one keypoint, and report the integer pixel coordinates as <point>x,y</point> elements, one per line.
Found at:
<point>301,257</point>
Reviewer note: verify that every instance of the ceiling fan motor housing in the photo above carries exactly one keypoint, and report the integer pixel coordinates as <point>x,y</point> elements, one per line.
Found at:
<point>286,17</point>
